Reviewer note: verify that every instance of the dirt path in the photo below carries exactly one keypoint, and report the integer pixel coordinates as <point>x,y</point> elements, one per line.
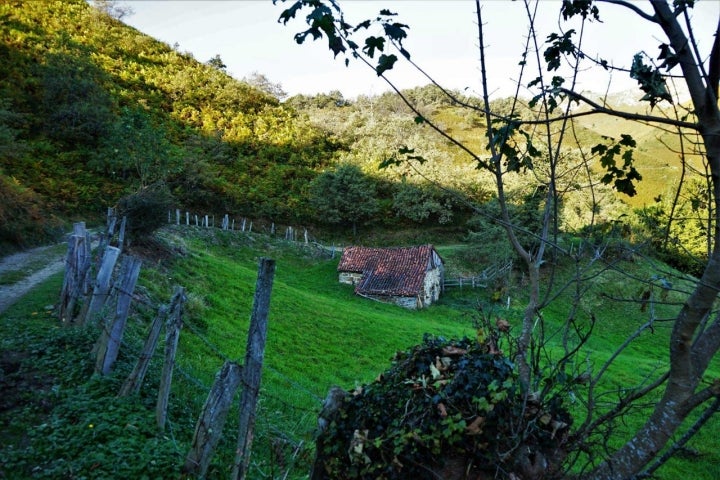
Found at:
<point>31,267</point>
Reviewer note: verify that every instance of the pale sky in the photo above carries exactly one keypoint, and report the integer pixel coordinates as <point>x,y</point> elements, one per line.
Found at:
<point>442,39</point>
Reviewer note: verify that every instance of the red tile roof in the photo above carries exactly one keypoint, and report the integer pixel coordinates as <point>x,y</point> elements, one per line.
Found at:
<point>388,271</point>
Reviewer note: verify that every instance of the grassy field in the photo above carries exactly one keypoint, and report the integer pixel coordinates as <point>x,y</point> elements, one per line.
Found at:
<point>320,335</point>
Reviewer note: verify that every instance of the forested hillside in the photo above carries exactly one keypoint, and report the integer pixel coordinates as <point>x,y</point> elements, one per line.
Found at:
<point>93,111</point>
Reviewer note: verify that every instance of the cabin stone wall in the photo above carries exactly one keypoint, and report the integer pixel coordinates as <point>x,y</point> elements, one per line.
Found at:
<point>350,278</point>
<point>433,285</point>
<point>411,303</point>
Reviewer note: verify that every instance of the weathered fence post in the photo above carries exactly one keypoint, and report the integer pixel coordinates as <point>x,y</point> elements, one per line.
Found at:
<point>111,336</point>
<point>208,429</point>
<point>101,291</point>
<point>252,369</point>
<point>109,232</point>
<point>121,232</point>
<point>172,336</point>
<point>77,267</point>
<point>134,380</point>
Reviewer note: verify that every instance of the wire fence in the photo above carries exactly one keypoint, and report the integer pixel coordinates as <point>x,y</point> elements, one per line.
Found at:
<point>286,413</point>
<point>230,223</point>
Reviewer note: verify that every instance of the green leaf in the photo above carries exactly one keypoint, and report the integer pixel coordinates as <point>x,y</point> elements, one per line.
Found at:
<point>372,43</point>
<point>396,31</point>
<point>365,24</point>
<point>385,62</point>
<point>651,81</point>
<point>289,13</point>
<point>570,8</point>
<point>559,45</point>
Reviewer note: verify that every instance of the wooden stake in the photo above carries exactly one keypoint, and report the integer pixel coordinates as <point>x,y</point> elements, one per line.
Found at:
<point>252,371</point>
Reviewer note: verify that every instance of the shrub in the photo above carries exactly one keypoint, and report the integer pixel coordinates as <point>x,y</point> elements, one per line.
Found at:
<point>445,407</point>
<point>146,211</point>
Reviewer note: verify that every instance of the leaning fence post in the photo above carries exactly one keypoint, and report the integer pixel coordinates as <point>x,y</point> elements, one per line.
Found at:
<point>172,336</point>
<point>110,339</point>
<point>101,290</point>
<point>208,429</point>
<point>134,380</point>
<point>252,369</point>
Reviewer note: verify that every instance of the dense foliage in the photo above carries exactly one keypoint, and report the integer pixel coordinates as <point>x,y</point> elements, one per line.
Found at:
<point>92,110</point>
<point>445,407</point>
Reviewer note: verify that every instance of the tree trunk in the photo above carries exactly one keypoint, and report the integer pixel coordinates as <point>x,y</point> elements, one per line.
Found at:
<point>687,362</point>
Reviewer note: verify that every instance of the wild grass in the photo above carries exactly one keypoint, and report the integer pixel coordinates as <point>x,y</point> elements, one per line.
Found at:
<point>321,334</point>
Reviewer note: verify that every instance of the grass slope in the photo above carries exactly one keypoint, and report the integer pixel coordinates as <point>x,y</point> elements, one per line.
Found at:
<point>320,334</point>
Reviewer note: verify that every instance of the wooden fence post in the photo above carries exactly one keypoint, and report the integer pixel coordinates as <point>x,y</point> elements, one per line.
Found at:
<point>101,291</point>
<point>112,332</point>
<point>172,336</point>
<point>208,429</point>
<point>106,237</point>
<point>252,370</point>
<point>77,266</point>
<point>134,380</point>
<point>121,232</point>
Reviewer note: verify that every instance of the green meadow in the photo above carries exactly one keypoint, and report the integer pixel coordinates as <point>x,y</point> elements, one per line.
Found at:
<point>67,423</point>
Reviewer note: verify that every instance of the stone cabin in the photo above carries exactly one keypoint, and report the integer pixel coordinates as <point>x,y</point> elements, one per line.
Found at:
<point>411,277</point>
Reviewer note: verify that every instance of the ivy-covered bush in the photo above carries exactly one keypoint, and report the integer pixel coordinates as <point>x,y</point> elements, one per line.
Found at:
<point>445,409</point>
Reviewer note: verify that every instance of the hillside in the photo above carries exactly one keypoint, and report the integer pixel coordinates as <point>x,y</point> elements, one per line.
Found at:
<point>93,112</point>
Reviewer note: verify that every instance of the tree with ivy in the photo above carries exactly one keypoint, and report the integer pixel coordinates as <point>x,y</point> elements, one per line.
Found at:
<point>343,196</point>
<point>682,392</point>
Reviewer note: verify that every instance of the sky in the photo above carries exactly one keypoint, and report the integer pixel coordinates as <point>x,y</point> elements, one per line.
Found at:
<point>442,39</point>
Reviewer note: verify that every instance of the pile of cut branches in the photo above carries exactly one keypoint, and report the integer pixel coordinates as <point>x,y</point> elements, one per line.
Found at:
<point>445,409</point>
